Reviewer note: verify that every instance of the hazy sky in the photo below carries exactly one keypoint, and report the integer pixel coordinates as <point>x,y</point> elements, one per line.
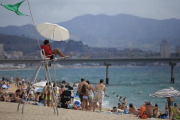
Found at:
<point>55,11</point>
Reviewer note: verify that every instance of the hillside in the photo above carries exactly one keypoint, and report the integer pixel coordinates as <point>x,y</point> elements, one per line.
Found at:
<point>119,31</point>
<point>30,46</point>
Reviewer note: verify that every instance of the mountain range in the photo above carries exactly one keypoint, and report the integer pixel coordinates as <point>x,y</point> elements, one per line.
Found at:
<point>119,31</point>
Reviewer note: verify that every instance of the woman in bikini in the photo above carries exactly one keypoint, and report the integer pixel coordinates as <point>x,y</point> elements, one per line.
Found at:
<point>84,92</point>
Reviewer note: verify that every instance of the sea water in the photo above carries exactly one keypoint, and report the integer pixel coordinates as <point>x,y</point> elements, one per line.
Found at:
<point>134,83</point>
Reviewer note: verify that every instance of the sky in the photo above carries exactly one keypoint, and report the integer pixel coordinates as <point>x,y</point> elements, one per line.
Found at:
<point>56,11</point>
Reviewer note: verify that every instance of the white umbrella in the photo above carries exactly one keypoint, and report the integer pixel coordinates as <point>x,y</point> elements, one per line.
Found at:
<point>53,31</point>
<point>168,92</point>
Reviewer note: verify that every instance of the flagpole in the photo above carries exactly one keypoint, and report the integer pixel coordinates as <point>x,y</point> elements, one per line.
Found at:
<point>32,20</point>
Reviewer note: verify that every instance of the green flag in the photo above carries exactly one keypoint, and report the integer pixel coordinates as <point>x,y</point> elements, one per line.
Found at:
<point>14,8</point>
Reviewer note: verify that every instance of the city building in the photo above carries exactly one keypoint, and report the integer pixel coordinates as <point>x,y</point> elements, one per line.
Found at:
<point>1,48</point>
<point>164,49</point>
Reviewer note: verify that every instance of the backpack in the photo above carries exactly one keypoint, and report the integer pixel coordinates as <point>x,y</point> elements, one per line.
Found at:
<point>143,112</point>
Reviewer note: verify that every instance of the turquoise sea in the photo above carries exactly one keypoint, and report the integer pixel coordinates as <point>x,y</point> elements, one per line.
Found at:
<point>135,83</point>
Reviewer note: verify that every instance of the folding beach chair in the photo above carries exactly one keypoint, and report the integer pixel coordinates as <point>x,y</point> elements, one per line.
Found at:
<point>175,115</point>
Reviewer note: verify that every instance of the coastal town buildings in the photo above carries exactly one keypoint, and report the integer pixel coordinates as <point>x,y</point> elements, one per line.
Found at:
<point>164,52</point>
<point>1,48</point>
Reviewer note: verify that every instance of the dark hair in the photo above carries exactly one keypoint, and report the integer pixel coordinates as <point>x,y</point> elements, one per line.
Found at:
<point>82,79</point>
<point>83,90</point>
<point>18,90</point>
<point>130,105</point>
<point>88,82</point>
<point>38,93</point>
<point>101,81</point>
<point>46,83</point>
<point>62,86</point>
<point>156,105</point>
<point>54,85</point>
<point>175,104</point>
<point>46,42</point>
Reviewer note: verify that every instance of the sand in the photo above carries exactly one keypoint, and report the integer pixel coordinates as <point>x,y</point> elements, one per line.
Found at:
<point>8,111</point>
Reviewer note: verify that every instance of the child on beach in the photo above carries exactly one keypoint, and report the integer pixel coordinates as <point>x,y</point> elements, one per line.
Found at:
<point>84,92</point>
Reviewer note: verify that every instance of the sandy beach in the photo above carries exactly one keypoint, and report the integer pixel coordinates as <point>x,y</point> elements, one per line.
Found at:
<point>8,111</point>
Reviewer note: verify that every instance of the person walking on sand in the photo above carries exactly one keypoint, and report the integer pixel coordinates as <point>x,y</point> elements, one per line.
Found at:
<point>99,94</point>
<point>49,52</point>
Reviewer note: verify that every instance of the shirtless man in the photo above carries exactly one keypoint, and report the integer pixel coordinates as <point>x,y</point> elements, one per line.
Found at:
<point>133,109</point>
<point>45,92</point>
<point>16,96</point>
<point>149,109</point>
<point>80,87</point>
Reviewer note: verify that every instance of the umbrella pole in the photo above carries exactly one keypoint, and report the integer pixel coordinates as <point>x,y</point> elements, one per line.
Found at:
<point>29,85</point>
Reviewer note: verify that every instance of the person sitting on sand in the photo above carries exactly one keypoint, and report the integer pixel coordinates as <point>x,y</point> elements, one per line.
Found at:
<point>149,109</point>
<point>84,93</point>
<point>49,52</point>
<point>18,79</point>
<point>16,96</point>
<point>3,94</point>
<point>23,86</point>
<point>176,108</point>
<point>116,110</point>
<point>123,106</point>
<point>99,94</point>
<point>31,98</point>
<point>157,112</point>
<point>61,90</point>
<point>133,110</point>
<point>119,105</point>
<point>37,97</point>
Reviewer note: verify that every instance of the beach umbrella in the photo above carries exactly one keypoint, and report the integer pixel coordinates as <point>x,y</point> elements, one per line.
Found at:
<point>53,31</point>
<point>168,92</point>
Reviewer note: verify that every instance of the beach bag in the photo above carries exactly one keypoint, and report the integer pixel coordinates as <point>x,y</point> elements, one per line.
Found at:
<point>143,112</point>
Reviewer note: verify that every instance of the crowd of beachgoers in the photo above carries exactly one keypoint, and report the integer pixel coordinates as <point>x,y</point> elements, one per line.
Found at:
<point>87,98</point>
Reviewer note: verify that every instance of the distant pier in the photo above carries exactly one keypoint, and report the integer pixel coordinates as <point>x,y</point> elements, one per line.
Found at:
<point>107,62</point>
